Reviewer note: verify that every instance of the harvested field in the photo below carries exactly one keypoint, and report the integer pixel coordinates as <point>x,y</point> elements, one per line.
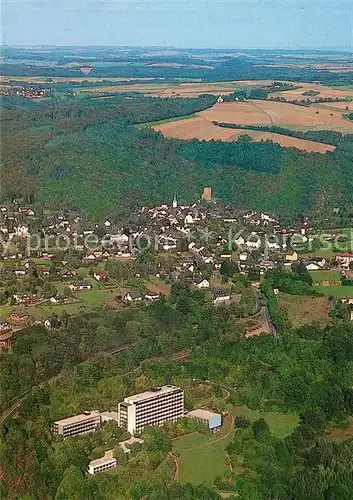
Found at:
<point>338,105</point>
<point>173,90</point>
<point>285,141</point>
<point>195,128</point>
<point>324,91</point>
<point>163,288</point>
<point>266,112</point>
<point>199,128</point>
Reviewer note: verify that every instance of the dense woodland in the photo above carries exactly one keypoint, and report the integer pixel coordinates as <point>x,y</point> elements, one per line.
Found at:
<point>88,155</point>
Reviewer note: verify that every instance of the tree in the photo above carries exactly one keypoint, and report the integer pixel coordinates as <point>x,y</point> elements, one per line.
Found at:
<point>120,455</point>
<point>157,440</point>
<point>73,486</point>
<point>261,430</point>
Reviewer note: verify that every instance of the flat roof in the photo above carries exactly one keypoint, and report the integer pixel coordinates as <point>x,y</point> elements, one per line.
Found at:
<point>77,418</point>
<point>150,394</point>
<point>110,415</point>
<point>202,414</point>
<point>108,457</point>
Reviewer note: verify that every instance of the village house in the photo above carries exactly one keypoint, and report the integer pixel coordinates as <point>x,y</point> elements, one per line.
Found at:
<point>291,256</point>
<point>21,271</point>
<point>220,295</point>
<point>6,340</point>
<point>152,296</point>
<point>4,324</point>
<point>311,266</point>
<point>133,296</point>
<point>19,314</point>
<point>80,286</point>
<point>100,275</point>
<point>344,259</point>
<point>202,283</point>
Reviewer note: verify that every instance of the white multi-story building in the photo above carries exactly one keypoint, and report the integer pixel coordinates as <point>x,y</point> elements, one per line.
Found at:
<point>88,421</point>
<point>154,407</point>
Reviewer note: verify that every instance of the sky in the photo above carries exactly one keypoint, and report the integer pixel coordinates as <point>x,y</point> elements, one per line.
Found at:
<point>180,23</point>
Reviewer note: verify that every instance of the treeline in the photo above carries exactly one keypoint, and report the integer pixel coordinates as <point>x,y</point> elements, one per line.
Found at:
<point>324,136</point>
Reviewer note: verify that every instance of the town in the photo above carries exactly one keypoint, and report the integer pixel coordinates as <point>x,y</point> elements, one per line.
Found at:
<point>57,261</point>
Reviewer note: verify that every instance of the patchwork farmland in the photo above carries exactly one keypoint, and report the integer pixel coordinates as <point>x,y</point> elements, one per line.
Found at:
<point>200,128</point>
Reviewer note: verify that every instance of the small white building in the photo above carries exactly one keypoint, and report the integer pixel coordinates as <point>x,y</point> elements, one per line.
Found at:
<point>209,418</point>
<point>129,442</point>
<point>102,464</point>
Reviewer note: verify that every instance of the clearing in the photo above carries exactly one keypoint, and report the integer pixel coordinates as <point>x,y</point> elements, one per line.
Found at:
<point>304,310</point>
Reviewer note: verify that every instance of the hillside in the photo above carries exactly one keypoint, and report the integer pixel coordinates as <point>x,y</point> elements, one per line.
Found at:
<point>89,156</point>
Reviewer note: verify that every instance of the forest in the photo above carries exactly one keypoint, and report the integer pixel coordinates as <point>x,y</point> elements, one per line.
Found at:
<point>90,156</point>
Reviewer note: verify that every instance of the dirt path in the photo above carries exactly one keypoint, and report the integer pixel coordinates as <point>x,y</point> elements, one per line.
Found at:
<point>176,466</point>
<point>265,112</point>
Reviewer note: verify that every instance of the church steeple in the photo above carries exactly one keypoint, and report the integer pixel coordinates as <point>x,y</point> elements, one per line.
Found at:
<point>175,201</point>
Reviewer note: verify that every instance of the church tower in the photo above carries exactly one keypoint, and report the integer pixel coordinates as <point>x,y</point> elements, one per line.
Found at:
<point>175,201</point>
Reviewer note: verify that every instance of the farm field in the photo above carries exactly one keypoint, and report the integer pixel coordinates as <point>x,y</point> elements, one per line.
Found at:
<point>266,112</point>
<point>337,105</point>
<point>319,276</point>
<point>199,128</point>
<point>339,291</point>
<point>324,92</point>
<point>169,90</point>
<point>305,310</point>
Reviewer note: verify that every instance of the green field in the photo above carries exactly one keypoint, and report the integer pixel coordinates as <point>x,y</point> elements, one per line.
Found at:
<point>281,424</point>
<point>203,457</point>
<point>319,276</point>
<point>339,291</point>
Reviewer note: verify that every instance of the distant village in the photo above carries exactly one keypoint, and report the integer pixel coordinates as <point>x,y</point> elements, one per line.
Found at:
<point>48,259</point>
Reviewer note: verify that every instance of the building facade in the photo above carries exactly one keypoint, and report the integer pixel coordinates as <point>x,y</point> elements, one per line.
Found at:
<point>154,407</point>
<point>209,418</point>
<point>102,464</point>
<point>78,424</point>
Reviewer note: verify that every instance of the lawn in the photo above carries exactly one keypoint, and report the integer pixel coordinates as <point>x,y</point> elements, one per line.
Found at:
<point>339,291</point>
<point>281,424</point>
<point>319,276</point>
<point>304,310</point>
<point>203,457</point>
